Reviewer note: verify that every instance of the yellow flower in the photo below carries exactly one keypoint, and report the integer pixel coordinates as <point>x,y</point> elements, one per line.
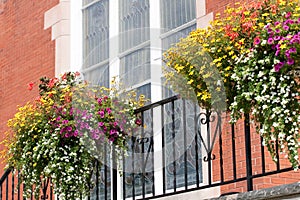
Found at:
<point>219,64</point>
<point>283,46</point>
<point>205,95</point>
<point>247,13</point>
<point>265,14</point>
<point>190,81</point>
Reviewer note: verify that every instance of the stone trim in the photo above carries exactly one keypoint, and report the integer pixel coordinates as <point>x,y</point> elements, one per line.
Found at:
<point>289,191</point>
<point>58,18</point>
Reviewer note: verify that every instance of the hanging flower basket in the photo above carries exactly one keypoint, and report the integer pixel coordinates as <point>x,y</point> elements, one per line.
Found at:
<point>256,51</point>
<point>61,134</point>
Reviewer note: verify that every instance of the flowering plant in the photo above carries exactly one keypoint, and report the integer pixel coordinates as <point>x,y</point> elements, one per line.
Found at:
<point>61,133</point>
<point>255,49</point>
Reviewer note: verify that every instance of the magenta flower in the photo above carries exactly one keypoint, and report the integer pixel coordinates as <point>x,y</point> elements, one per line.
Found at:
<point>278,66</point>
<point>112,132</point>
<point>277,37</point>
<point>285,27</point>
<point>293,50</point>
<point>108,110</point>
<point>115,124</point>
<point>75,133</point>
<point>100,124</point>
<point>69,128</point>
<point>270,40</point>
<point>256,41</point>
<point>276,23</point>
<point>101,113</point>
<point>290,61</point>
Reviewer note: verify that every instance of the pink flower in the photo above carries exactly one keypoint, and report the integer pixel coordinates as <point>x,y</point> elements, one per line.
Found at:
<point>77,73</point>
<point>270,40</point>
<point>256,41</point>
<point>101,113</point>
<point>276,23</point>
<point>285,27</point>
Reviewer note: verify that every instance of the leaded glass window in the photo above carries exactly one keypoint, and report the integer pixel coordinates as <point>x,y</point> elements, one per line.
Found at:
<point>181,16</point>
<point>175,13</point>
<point>135,67</point>
<point>96,40</point>
<point>134,23</point>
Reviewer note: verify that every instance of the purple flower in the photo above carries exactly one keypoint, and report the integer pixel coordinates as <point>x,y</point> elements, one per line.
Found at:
<point>101,113</point>
<point>277,52</point>
<point>267,26</point>
<point>112,132</point>
<point>276,23</point>
<point>293,50</point>
<point>277,37</point>
<point>270,40</point>
<point>290,61</point>
<point>288,15</point>
<point>293,41</point>
<point>285,27</point>
<point>71,111</point>
<point>75,133</point>
<point>65,121</point>
<point>273,47</point>
<point>277,30</point>
<point>58,118</point>
<point>100,124</point>
<point>69,128</point>
<point>108,110</point>
<point>277,67</point>
<point>270,31</point>
<point>95,136</point>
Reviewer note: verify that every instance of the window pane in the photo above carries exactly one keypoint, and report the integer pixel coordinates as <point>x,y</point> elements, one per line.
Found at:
<point>175,13</point>
<point>95,33</point>
<point>134,19</point>
<point>135,67</point>
<point>98,76</point>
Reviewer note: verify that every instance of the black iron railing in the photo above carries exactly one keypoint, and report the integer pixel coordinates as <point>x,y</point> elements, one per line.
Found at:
<point>156,166</point>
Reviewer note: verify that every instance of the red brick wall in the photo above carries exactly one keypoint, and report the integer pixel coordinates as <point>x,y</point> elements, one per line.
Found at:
<point>217,6</point>
<point>240,153</point>
<point>26,53</point>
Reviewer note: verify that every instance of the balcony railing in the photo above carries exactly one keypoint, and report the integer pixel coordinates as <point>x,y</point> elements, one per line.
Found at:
<point>179,148</point>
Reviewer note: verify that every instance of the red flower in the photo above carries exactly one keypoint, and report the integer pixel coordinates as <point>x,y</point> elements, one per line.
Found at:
<point>30,86</point>
<point>77,73</point>
<point>64,76</point>
<point>52,82</point>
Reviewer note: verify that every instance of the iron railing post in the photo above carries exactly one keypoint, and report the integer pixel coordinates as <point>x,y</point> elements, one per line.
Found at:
<point>114,176</point>
<point>248,153</point>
